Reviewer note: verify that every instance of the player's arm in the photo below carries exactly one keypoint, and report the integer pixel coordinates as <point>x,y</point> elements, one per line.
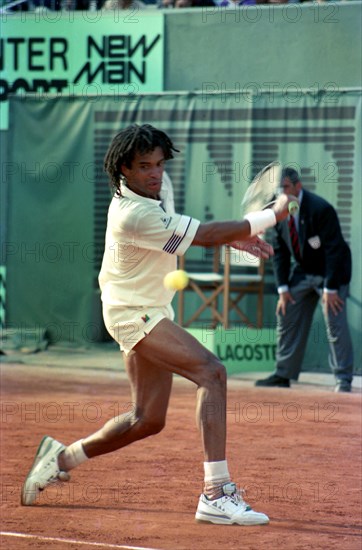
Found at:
<point>217,233</point>
<point>253,245</point>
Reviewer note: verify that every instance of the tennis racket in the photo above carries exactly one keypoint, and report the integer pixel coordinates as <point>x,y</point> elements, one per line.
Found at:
<point>264,190</point>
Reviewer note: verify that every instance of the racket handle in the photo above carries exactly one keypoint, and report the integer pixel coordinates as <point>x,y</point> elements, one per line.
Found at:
<point>269,204</point>
<point>293,206</point>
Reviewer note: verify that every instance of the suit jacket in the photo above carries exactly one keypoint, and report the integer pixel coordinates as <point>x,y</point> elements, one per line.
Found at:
<point>324,252</point>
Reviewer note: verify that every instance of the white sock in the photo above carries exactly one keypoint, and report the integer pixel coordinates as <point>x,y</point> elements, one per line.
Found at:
<point>216,476</point>
<point>74,455</point>
<point>216,470</point>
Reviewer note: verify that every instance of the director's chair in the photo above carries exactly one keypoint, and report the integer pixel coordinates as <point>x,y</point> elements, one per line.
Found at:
<point>234,275</point>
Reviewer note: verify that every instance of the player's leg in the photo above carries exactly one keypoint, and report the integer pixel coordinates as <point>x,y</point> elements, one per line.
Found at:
<point>292,334</point>
<point>175,350</point>
<point>150,392</point>
<point>340,344</point>
<point>172,350</point>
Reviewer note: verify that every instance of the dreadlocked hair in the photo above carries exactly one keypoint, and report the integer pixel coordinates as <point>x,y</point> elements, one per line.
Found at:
<point>124,146</point>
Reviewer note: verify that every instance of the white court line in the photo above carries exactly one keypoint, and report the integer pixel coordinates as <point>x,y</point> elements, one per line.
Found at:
<point>72,541</point>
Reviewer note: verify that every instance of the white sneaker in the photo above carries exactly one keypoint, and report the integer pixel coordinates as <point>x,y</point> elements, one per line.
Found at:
<point>45,470</point>
<point>228,509</point>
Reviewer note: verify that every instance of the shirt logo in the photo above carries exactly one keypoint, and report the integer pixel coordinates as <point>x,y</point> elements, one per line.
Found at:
<point>166,221</point>
<point>145,318</point>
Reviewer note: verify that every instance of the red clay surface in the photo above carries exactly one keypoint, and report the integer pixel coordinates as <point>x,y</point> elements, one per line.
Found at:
<point>297,452</point>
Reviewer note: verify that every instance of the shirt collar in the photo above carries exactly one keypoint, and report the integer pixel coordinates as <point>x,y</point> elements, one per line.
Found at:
<point>127,192</point>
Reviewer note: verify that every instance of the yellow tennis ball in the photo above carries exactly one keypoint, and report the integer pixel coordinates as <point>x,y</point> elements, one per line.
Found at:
<point>176,280</point>
<point>293,207</point>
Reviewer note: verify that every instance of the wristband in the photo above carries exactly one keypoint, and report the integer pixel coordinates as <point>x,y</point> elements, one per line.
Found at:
<point>259,221</point>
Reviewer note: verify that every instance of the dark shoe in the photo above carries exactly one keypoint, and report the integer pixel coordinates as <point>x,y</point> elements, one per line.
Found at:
<point>343,386</point>
<point>274,381</point>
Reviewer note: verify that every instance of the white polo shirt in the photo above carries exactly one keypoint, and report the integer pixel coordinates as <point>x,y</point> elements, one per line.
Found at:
<point>143,239</point>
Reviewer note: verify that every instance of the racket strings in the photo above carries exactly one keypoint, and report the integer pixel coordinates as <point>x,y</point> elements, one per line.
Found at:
<point>263,190</point>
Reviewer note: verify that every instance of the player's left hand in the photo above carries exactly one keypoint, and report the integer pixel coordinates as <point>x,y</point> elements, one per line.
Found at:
<point>255,246</point>
<point>332,300</point>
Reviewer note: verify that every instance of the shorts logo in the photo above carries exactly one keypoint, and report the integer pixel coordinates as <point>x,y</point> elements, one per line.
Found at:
<point>145,318</point>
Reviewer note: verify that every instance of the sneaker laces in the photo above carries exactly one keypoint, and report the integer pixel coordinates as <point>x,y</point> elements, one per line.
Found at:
<point>231,490</point>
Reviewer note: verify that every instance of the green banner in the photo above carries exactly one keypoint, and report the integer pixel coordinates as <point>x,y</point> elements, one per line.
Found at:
<point>93,54</point>
<point>240,348</point>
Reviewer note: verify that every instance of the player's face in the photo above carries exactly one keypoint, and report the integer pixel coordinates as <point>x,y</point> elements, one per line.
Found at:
<point>290,188</point>
<point>145,175</point>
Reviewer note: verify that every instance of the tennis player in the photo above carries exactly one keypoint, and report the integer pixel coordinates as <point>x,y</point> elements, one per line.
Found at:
<point>143,239</point>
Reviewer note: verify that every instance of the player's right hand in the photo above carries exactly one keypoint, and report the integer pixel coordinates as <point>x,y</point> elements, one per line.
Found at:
<point>285,298</point>
<point>281,205</point>
<point>255,246</point>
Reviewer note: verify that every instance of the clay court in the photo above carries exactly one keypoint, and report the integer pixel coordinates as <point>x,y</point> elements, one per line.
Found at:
<point>297,452</point>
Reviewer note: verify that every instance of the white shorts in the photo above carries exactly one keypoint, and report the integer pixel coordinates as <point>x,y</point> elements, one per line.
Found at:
<point>129,325</point>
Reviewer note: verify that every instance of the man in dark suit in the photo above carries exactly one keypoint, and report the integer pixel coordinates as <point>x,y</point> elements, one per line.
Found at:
<point>312,261</point>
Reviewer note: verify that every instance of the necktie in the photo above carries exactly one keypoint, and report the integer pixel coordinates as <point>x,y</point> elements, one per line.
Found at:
<point>294,238</point>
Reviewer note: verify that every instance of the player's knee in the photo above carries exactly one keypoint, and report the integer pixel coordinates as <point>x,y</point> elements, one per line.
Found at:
<point>221,374</point>
<point>215,373</point>
<point>152,426</point>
